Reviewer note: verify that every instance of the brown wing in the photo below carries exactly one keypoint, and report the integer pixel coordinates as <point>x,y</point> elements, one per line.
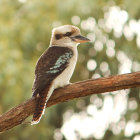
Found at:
<point>51,63</point>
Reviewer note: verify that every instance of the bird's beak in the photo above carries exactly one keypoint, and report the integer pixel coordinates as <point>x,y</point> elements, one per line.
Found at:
<point>80,39</point>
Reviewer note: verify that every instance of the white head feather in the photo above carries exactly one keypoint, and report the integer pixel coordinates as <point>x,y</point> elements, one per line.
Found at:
<point>64,41</point>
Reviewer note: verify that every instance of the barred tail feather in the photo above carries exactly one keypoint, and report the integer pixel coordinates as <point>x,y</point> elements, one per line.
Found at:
<point>40,106</point>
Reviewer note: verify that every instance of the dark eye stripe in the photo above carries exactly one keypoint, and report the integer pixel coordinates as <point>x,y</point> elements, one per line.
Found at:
<point>68,34</point>
<point>58,36</point>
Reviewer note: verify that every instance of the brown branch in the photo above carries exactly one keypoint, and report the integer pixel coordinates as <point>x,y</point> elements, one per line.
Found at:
<point>17,115</point>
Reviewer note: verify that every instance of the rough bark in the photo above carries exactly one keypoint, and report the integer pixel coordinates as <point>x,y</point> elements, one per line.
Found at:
<point>18,114</point>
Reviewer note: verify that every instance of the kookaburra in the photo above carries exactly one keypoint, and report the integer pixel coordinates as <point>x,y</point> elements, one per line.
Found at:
<point>56,65</point>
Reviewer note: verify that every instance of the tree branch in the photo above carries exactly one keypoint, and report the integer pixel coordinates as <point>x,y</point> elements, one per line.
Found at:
<point>18,114</point>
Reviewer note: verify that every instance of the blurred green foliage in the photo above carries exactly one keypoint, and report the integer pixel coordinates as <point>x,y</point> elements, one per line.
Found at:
<point>25,31</point>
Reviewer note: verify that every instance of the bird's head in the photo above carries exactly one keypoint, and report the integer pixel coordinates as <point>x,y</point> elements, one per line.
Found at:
<point>67,35</point>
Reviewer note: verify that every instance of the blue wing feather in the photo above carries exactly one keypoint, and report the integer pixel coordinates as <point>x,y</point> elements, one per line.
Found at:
<point>52,63</point>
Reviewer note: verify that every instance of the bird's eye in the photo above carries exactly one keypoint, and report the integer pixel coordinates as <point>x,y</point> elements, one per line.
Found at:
<point>68,34</point>
<point>58,36</point>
